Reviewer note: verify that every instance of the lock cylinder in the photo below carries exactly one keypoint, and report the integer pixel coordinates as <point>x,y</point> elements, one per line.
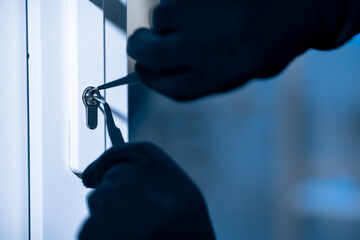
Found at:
<point>91,106</point>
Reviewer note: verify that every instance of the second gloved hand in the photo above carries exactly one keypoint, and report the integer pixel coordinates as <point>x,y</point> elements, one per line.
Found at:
<point>197,47</point>
<point>140,193</point>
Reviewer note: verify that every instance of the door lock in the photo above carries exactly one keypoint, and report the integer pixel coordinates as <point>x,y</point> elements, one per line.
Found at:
<point>91,106</point>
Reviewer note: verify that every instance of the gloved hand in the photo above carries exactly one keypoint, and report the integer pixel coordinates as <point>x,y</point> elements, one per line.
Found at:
<point>140,193</point>
<point>197,47</point>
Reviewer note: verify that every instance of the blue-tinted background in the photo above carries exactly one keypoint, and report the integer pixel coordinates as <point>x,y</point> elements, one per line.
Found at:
<point>277,159</point>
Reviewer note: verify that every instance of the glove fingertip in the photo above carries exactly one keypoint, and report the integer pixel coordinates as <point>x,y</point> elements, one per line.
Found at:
<point>89,182</point>
<point>135,40</point>
<point>90,177</point>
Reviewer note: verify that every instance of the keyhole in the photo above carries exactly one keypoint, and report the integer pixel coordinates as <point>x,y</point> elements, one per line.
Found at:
<point>91,106</point>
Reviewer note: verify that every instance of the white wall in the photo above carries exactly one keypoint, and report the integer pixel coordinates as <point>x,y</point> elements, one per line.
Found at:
<point>13,121</point>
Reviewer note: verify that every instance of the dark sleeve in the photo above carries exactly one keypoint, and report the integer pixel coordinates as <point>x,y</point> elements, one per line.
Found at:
<point>339,22</point>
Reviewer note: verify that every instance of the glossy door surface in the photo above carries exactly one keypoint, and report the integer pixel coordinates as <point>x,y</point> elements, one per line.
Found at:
<point>67,52</point>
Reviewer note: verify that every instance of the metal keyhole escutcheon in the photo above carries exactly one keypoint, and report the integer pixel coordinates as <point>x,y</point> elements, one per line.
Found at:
<point>91,106</point>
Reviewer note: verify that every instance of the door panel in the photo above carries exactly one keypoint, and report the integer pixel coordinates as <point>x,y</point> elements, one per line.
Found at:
<point>85,67</point>
<point>66,44</point>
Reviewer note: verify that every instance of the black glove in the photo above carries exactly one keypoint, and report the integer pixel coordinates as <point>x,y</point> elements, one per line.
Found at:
<point>197,47</point>
<point>140,193</point>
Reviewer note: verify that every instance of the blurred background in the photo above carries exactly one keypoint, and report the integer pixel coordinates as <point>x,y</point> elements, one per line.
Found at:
<point>277,159</point>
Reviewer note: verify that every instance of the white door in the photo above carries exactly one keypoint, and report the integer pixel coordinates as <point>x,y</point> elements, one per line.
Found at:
<point>73,44</point>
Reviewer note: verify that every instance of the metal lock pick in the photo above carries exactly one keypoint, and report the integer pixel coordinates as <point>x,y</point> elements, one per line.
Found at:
<point>92,98</point>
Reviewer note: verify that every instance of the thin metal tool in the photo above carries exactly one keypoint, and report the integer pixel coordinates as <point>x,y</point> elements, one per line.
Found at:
<point>100,100</point>
<point>115,134</point>
<point>131,78</point>
<point>116,113</point>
